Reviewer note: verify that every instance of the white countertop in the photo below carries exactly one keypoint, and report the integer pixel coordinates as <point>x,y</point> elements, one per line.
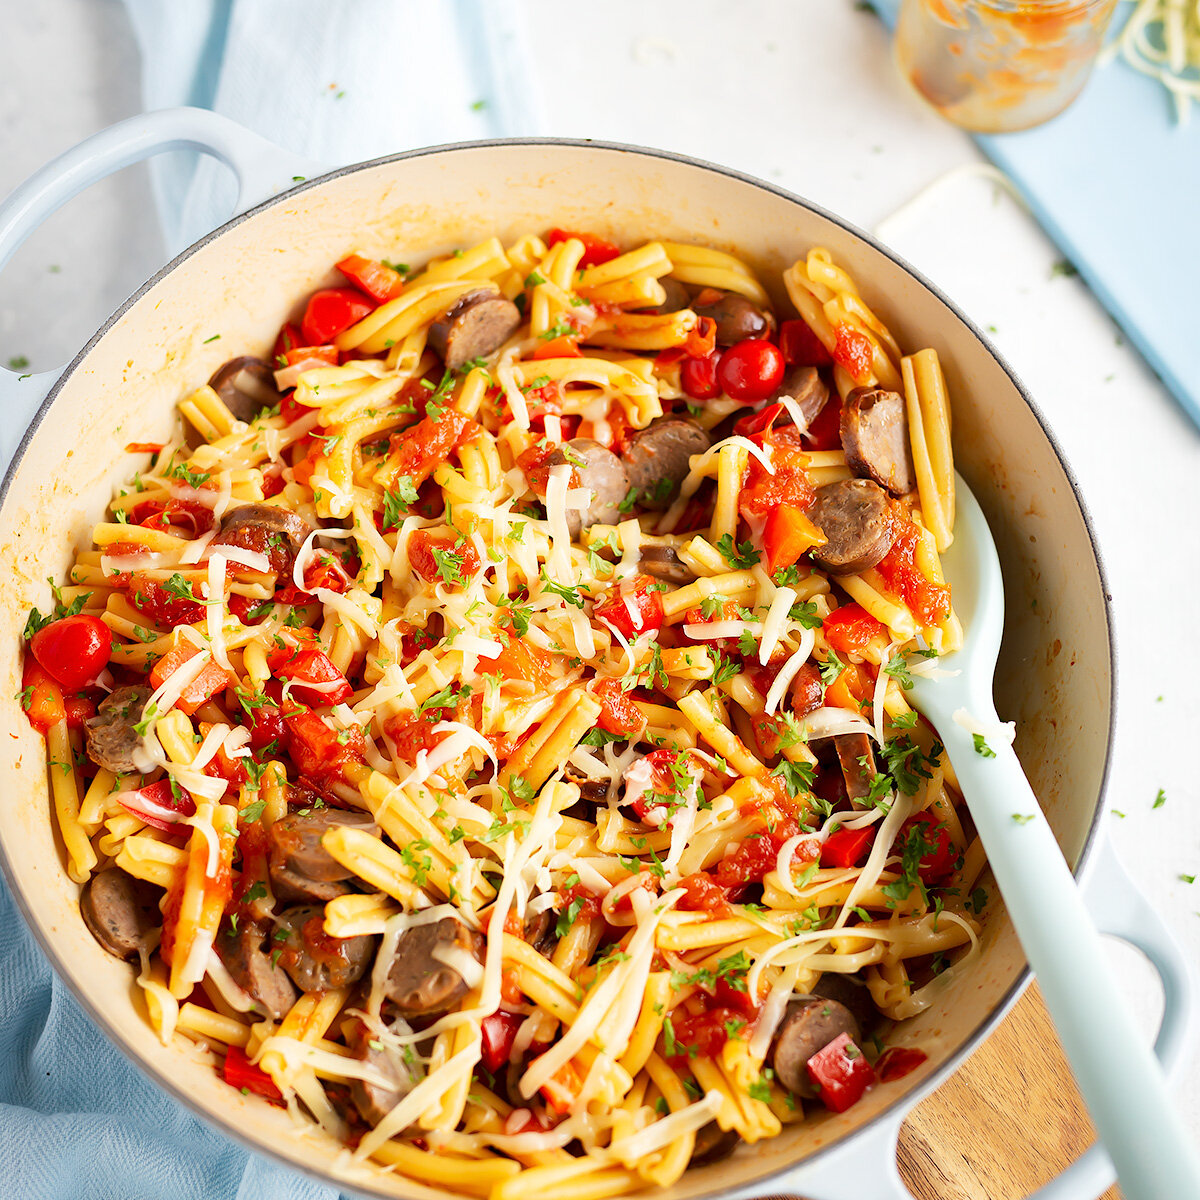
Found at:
<point>806,96</point>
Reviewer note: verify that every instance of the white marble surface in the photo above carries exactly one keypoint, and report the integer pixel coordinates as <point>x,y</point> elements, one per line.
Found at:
<point>803,94</point>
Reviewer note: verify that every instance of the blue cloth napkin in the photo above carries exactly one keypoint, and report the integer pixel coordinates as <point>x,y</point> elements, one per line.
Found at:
<point>336,81</point>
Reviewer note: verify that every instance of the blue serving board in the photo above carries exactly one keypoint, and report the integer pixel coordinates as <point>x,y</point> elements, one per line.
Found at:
<point>1115,181</point>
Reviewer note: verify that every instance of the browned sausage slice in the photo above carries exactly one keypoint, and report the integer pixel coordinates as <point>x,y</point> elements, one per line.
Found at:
<point>657,458</point>
<point>111,736</point>
<point>805,386</point>
<point>663,562</point>
<point>713,1145</point>
<point>856,757</point>
<point>599,470</point>
<point>316,961</point>
<point>373,1101</point>
<point>677,297</point>
<point>807,692</point>
<point>875,438</point>
<point>855,517</point>
<point>852,994</point>
<point>121,912</point>
<point>808,1026</point>
<point>476,325</point>
<point>419,983</point>
<point>301,868</point>
<point>736,317</point>
<point>266,529</point>
<point>246,385</point>
<point>248,957</point>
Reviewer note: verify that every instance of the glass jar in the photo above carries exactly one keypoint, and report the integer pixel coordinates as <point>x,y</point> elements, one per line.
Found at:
<point>994,66</point>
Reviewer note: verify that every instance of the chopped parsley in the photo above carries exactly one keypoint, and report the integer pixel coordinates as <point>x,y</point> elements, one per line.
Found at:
<point>981,746</point>
<point>742,556</point>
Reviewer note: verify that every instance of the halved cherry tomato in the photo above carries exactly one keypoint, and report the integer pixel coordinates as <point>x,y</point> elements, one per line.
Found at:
<point>801,347</point>
<point>750,370</point>
<point>157,805</point>
<point>846,847</point>
<point>499,1030</point>
<point>633,610</point>
<point>595,249</point>
<point>618,713</point>
<point>841,1073</point>
<point>939,860</point>
<point>377,279</point>
<point>698,377</point>
<point>332,311</point>
<point>41,696</point>
<point>288,339</point>
<point>211,679</point>
<point>851,627</point>
<point>73,649</point>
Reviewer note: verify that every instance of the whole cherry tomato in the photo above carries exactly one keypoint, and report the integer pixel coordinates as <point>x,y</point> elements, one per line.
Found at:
<point>750,370</point>
<point>698,377</point>
<point>73,649</point>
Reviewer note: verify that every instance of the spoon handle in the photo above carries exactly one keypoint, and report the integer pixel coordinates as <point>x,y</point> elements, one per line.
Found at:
<point>1111,1058</point>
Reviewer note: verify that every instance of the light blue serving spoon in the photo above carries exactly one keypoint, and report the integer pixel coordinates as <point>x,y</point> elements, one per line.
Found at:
<point>1113,1064</point>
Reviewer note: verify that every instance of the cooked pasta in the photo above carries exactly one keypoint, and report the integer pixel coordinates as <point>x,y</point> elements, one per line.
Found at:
<point>485,722</point>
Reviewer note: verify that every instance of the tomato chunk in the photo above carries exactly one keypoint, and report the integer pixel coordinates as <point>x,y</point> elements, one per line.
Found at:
<point>242,1074</point>
<point>73,649</point>
<point>787,534</point>
<point>159,806</point>
<point>854,351</point>
<point>846,847</point>
<point>317,749</point>
<point>314,679</point>
<point>840,1073</point>
<point>595,249</point>
<point>41,696</point>
<point>618,713</point>
<point>929,602</point>
<point>332,311</point>
<point>801,347</point>
<point>421,447</point>
<point>499,1030</point>
<point>923,831</point>
<point>851,627</point>
<point>633,609</point>
<point>163,607</point>
<point>443,558</point>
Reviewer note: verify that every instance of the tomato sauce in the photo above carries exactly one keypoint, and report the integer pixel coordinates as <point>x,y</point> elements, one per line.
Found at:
<point>929,602</point>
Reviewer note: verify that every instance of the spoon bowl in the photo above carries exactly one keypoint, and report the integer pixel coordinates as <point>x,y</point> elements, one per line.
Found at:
<point>1118,1076</point>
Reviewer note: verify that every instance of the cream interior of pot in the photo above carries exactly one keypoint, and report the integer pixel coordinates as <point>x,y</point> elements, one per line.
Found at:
<point>1055,672</point>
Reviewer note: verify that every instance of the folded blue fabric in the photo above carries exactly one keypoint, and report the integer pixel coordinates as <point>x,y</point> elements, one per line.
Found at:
<point>336,81</point>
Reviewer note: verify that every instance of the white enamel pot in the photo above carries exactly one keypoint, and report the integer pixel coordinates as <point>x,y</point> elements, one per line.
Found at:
<point>1056,675</point>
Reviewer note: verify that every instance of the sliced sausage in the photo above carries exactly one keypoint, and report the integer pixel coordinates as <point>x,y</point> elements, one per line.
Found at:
<point>372,1100</point>
<point>477,325</point>
<point>111,736</point>
<point>663,562</point>
<point>808,1026</point>
<point>247,953</point>
<point>301,868</point>
<point>316,961</point>
<point>677,297</point>
<point>419,983</point>
<point>855,517</point>
<point>856,757</point>
<point>246,385</point>
<point>120,912</point>
<point>805,386</point>
<point>540,931</point>
<point>600,471</point>
<point>713,1144</point>
<point>657,458</point>
<point>807,691</point>
<point>737,318</point>
<point>875,438</point>
<point>266,529</point>
<point>593,791</point>
<point>851,993</point>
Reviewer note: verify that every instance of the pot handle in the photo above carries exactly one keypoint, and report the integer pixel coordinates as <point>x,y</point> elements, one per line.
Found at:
<point>864,1166</point>
<point>262,169</point>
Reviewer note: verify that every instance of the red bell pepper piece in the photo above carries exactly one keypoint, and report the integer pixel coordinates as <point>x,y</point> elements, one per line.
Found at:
<point>156,804</point>
<point>846,847</point>
<point>595,250</point>
<point>840,1073</point>
<point>315,680</point>
<point>212,678</point>
<point>377,279</point>
<point>332,311</point>
<point>851,627</point>
<point>633,610</point>
<point>41,696</point>
<point>801,347</point>
<point>787,534</point>
<point>499,1031</point>
<point>242,1074</point>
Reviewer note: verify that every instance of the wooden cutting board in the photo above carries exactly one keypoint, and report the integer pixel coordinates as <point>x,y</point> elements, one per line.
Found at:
<point>1007,1121</point>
